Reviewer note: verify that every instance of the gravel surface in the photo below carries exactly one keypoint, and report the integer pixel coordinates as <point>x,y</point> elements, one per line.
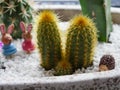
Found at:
<point>24,67</point>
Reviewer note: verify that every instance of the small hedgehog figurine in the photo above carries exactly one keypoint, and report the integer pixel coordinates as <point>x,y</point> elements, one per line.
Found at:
<point>27,44</point>
<point>107,62</point>
<point>8,47</point>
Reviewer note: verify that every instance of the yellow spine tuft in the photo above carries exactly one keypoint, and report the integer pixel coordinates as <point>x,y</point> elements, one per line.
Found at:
<point>47,16</point>
<point>81,21</point>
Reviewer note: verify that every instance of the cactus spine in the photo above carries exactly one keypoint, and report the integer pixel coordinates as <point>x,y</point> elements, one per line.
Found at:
<point>81,42</point>
<point>48,39</point>
<point>14,11</point>
<point>99,10</point>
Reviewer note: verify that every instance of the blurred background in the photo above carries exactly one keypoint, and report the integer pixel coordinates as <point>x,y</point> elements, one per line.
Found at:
<point>114,3</point>
<point>66,9</point>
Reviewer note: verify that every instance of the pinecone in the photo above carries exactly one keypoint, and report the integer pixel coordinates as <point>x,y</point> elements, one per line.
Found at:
<point>108,61</point>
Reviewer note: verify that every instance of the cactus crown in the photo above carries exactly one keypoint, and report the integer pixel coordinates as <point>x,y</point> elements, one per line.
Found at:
<point>47,16</point>
<point>82,22</point>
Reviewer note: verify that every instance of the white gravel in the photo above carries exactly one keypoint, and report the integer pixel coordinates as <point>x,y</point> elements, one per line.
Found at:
<point>26,68</point>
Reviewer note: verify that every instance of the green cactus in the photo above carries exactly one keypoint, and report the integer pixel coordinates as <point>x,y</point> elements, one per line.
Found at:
<point>14,11</point>
<point>48,39</point>
<point>81,42</point>
<point>99,10</point>
<point>63,68</point>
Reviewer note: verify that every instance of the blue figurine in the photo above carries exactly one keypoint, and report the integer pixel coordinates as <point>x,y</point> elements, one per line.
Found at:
<point>8,47</point>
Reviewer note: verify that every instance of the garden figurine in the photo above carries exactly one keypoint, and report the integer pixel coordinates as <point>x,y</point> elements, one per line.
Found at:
<point>8,47</point>
<point>14,11</point>
<point>27,45</point>
<point>107,62</point>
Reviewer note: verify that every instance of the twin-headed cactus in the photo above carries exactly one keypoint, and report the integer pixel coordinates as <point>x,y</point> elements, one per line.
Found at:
<point>80,44</point>
<point>48,39</point>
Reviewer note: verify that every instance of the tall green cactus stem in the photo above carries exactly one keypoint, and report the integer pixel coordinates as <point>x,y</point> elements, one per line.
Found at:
<point>81,42</point>
<point>48,39</point>
<point>99,10</point>
<point>15,11</point>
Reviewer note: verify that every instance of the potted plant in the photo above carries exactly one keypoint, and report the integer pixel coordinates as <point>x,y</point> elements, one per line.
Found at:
<point>72,59</point>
